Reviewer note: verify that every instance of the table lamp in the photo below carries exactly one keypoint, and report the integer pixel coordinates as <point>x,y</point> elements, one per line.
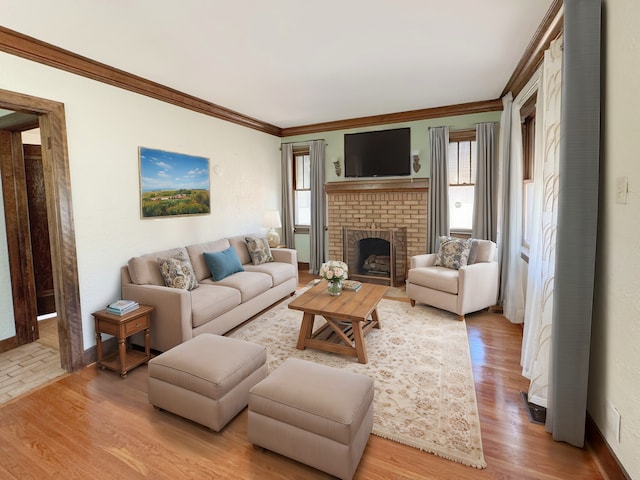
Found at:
<point>271,221</point>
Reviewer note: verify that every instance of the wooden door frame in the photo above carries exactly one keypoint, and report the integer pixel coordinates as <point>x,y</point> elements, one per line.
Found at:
<point>16,208</point>
<point>55,162</point>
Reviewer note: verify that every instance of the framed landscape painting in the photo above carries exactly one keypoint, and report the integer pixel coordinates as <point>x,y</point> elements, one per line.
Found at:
<point>173,184</point>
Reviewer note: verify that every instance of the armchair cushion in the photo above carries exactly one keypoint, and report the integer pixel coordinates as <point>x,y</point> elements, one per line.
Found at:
<point>437,278</point>
<point>454,252</point>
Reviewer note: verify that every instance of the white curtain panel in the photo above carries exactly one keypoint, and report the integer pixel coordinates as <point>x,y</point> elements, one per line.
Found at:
<point>513,272</point>
<point>287,195</point>
<point>504,161</point>
<point>540,280</point>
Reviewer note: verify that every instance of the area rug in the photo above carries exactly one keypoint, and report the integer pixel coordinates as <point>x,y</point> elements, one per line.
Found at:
<point>419,360</point>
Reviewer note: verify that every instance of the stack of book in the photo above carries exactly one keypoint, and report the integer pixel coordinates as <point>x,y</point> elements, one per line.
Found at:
<point>122,307</point>
<point>351,285</point>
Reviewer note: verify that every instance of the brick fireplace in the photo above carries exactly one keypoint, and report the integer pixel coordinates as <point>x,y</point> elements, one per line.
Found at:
<point>378,205</point>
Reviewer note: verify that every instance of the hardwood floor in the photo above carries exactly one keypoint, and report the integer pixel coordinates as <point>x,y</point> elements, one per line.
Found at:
<point>92,424</point>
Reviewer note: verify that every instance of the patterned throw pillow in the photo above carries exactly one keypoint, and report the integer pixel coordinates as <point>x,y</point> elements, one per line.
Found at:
<point>454,252</point>
<point>259,250</point>
<point>177,272</point>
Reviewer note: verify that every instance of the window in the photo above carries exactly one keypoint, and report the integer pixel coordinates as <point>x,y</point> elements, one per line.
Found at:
<point>462,177</point>
<point>302,188</point>
<point>528,125</point>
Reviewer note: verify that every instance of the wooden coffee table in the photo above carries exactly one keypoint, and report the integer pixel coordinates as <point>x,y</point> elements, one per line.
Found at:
<point>349,317</point>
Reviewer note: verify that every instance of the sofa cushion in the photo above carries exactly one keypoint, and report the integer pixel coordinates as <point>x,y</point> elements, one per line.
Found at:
<point>144,269</point>
<point>210,365</point>
<point>437,278</point>
<point>328,401</point>
<point>177,272</point>
<point>454,252</point>
<point>240,244</point>
<point>249,284</point>
<point>259,250</point>
<point>280,272</point>
<point>196,251</point>
<point>222,264</point>
<point>211,301</point>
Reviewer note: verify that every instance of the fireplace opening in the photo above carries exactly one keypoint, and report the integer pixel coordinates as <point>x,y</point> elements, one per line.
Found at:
<point>374,257</point>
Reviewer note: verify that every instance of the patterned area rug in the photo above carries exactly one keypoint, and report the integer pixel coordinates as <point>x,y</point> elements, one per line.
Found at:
<point>419,360</point>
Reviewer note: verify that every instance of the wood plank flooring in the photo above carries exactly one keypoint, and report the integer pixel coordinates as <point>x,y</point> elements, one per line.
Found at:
<point>92,424</point>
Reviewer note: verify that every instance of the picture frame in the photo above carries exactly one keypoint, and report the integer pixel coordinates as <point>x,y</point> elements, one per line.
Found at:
<point>173,184</point>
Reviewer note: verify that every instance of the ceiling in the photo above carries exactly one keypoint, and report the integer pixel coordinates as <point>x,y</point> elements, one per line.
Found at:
<point>290,62</point>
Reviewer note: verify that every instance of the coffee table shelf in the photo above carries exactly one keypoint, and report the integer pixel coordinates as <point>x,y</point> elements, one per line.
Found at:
<point>348,318</point>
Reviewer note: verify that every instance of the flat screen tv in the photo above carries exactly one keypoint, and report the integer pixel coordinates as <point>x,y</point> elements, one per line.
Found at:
<point>383,153</point>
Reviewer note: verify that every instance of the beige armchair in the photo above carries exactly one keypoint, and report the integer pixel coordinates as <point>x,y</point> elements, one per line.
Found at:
<point>471,288</point>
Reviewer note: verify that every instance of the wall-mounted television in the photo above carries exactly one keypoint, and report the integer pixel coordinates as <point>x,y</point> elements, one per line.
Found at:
<point>383,153</point>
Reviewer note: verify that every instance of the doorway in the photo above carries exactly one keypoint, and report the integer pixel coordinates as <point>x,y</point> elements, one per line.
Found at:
<point>49,118</point>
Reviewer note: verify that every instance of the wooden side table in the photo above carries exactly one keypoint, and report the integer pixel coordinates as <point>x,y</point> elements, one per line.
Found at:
<point>122,327</point>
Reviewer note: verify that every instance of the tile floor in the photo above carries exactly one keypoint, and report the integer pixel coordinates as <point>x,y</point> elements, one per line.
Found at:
<point>29,366</point>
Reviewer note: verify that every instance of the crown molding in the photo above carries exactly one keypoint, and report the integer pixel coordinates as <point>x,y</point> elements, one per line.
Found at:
<point>21,45</point>
<point>413,115</point>
<point>35,50</point>
<point>550,28</point>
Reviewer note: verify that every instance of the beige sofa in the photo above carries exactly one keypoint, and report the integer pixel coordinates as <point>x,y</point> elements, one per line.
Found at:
<point>214,306</point>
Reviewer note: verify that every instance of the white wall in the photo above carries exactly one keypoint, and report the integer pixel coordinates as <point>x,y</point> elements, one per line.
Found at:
<point>615,354</point>
<point>105,127</point>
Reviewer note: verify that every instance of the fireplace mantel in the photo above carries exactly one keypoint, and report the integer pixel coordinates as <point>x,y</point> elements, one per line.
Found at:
<point>378,185</point>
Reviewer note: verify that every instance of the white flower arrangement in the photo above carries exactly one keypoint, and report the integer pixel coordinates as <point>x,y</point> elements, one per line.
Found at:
<point>334,270</point>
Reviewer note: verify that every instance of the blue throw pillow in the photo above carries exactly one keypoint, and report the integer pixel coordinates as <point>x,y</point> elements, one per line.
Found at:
<point>222,264</point>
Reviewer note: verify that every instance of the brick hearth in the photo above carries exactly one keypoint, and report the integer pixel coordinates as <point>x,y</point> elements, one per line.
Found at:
<point>378,204</point>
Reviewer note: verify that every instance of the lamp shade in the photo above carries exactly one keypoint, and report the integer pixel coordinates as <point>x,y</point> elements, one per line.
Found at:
<point>271,219</point>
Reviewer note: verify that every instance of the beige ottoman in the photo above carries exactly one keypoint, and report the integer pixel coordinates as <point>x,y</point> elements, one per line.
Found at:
<point>206,379</point>
<point>318,415</point>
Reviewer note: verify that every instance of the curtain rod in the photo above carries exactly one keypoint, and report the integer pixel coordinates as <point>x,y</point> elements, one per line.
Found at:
<point>305,141</point>
<point>455,129</point>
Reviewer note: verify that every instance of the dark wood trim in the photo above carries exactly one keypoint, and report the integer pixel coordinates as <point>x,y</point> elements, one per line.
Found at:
<point>550,28</point>
<point>8,344</point>
<point>605,459</point>
<point>35,50</point>
<point>466,135</point>
<point>304,266</point>
<point>386,185</point>
<point>413,115</point>
<point>55,162</point>
<point>16,210</point>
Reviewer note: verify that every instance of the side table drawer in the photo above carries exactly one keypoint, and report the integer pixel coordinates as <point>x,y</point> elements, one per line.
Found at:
<point>137,325</point>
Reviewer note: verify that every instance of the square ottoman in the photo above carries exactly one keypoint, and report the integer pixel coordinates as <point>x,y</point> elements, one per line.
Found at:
<point>318,415</point>
<point>207,378</point>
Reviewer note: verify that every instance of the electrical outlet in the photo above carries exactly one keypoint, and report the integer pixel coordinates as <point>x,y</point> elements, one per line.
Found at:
<point>622,188</point>
<point>613,420</point>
